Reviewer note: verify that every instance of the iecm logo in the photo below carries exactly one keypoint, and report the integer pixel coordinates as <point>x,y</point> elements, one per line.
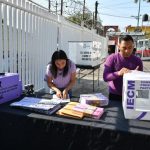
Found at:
<point>130,94</point>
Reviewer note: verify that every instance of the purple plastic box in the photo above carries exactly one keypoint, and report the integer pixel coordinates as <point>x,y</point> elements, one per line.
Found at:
<point>10,87</point>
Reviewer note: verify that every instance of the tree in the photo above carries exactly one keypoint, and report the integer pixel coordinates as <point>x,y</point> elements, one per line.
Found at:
<point>78,19</point>
<point>88,21</point>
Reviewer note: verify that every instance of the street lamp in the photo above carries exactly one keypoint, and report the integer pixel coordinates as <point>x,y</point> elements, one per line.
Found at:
<point>145,17</point>
<point>138,17</point>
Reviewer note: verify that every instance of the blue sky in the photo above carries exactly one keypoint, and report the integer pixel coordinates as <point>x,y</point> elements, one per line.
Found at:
<point>118,12</point>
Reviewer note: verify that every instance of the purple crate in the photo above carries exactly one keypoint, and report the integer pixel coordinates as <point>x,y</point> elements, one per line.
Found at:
<point>10,87</point>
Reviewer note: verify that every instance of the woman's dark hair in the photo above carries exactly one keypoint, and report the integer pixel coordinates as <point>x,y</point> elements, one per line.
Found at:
<point>59,54</point>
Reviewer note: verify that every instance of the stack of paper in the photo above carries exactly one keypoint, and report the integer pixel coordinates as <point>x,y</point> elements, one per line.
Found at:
<point>68,111</point>
<point>86,109</point>
<point>97,99</point>
<point>55,101</point>
<point>98,113</point>
<point>78,110</point>
<point>38,105</point>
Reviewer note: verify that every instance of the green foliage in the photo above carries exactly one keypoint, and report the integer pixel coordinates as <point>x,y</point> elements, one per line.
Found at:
<point>78,18</point>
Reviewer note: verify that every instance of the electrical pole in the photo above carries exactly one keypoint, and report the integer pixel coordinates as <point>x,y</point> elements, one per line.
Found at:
<point>61,7</point>
<point>56,7</point>
<point>93,23</point>
<point>138,19</point>
<point>49,5</point>
<point>83,10</point>
<point>96,7</point>
<point>139,13</point>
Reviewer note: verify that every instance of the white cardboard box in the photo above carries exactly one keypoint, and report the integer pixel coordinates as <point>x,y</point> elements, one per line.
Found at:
<point>96,99</point>
<point>85,52</point>
<point>136,95</point>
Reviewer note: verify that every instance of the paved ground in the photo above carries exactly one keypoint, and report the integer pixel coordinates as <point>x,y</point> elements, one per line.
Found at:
<point>86,84</point>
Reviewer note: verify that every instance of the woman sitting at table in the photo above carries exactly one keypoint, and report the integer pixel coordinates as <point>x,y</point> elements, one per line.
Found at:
<point>60,75</point>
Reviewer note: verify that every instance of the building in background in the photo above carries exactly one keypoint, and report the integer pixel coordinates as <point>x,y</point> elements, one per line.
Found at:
<point>142,42</point>
<point>113,40</point>
<point>145,29</point>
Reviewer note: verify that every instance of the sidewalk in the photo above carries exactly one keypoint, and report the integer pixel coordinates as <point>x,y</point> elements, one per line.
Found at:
<point>86,84</point>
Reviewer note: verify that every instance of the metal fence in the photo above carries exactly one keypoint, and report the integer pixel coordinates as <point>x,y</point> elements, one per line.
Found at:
<point>28,37</point>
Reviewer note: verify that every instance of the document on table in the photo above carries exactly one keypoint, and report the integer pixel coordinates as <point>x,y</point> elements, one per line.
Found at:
<point>41,105</point>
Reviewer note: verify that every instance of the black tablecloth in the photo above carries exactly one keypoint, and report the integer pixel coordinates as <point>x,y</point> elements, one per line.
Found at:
<point>21,128</point>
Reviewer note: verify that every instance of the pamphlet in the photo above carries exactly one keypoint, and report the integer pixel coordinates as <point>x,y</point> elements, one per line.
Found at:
<point>41,105</point>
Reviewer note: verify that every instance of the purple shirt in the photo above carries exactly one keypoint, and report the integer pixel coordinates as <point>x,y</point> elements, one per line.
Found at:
<point>60,81</point>
<point>113,64</point>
